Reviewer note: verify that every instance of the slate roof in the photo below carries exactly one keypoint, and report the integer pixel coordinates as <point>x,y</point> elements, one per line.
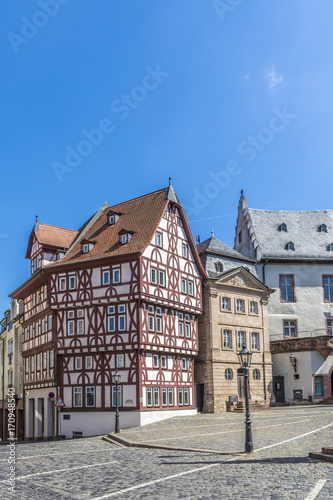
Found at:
<point>216,246</point>
<point>302,231</point>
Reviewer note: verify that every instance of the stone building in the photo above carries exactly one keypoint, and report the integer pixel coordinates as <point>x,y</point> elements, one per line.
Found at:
<point>235,312</point>
<point>11,371</point>
<point>294,254</point>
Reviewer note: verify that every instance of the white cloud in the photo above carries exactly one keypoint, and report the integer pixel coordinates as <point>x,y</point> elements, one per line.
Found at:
<point>273,78</point>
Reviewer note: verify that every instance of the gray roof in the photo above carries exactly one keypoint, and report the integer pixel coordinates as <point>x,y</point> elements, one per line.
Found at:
<point>215,246</point>
<point>302,231</point>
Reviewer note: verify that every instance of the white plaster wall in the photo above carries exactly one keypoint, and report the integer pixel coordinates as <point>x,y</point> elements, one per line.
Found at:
<point>309,308</point>
<point>94,424</point>
<point>308,362</point>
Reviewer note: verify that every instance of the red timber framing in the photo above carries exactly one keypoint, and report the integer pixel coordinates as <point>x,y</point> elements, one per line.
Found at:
<point>127,304</point>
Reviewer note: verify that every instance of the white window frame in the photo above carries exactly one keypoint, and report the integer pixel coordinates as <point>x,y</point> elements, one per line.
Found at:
<point>184,286</point>
<point>255,344</point>
<point>71,282</point>
<point>150,401</point>
<point>88,363</point>
<point>85,248</point>
<point>161,275</point>
<point>185,251</point>
<point>120,361</point>
<point>171,398</point>
<point>153,275</point>
<point>186,396</point>
<point>119,396</point>
<point>164,362</point>
<point>157,401</point>
<point>44,360</point>
<point>44,292</point>
<point>159,240</point>
<point>156,361</point>
<point>184,364</point>
<point>225,304</point>
<point>106,277</point>
<point>123,239</point>
<point>62,284</point>
<point>70,327</point>
<point>190,288</point>
<point>181,325</point>
<point>257,376</point>
<point>78,363</point>
<point>180,396</point>
<point>111,220</point>
<point>38,362</point>
<point>77,391</point>
<point>159,320</point>
<point>27,365</point>
<point>239,336</point>
<point>116,275</point>
<point>49,322</point>
<point>51,359</point>
<point>90,389</point>
<point>43,326</point>
<point>253,307</point>
<point>79,324</point>
<point>122,318</point>
<point>228,374</point>
<point>32,364</point>
<point>227,339</point>
<point>164,396</point>
<point>240,305</point>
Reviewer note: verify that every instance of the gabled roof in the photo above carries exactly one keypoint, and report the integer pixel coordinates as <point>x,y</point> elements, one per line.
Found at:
<point>263,238</point>
<point>50,236</point>
<point>215,246</point>
<point>302,230</point>
<point>249,278</point>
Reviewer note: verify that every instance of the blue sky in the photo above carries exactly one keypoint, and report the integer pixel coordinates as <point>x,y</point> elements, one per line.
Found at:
<point>103,101</point>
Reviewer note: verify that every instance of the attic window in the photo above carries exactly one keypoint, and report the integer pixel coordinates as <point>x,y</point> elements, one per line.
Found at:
<point>86,246</point>
<point>282,227</point>
<point>112,217</point>
<point>322,228</point>
<point>330,248</point>
<point>290,246</point>
<point>218,267</point>
<point>125,236</point>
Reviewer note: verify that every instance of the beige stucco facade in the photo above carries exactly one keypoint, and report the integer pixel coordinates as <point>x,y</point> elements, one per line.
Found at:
<point>217,361</point>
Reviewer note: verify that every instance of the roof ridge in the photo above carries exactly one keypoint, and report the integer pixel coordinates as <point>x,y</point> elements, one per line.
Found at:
<point>138,197</point>
<point>58,227</point>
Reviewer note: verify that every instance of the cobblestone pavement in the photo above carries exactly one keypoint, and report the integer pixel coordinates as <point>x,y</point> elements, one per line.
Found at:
<point>93,469</point>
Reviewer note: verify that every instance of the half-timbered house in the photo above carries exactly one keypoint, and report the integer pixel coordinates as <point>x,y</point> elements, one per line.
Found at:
<point>125,295</point>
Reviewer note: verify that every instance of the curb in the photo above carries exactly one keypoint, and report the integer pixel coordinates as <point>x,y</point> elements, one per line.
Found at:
<point>128,443</point>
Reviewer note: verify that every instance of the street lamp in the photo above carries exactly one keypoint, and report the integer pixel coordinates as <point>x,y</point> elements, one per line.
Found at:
<point>293,361</point>
<point>244,358</point>
<point>116,377</point>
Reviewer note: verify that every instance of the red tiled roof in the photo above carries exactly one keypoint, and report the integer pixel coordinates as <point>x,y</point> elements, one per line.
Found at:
<point>54,236</point>
<point>140,216</point>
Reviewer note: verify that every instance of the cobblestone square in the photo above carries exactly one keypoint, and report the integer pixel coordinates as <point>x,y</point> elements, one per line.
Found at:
<point>91,468</point>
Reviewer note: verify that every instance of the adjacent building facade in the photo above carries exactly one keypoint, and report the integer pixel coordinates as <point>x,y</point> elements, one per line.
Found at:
<point>11,372</point>
<point>235,313</point>
<point>123,292</point>
<point>294,254</point>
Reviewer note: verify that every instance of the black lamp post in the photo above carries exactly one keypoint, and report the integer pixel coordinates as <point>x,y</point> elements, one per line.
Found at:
<point>293,361</point>
<point>244,358</point>
<point>116,380</point>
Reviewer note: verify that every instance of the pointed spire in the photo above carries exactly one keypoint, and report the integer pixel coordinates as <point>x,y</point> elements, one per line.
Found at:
<point>36,227</point>
<point>212,232</point>
<point>170,193</point>
<point>242,192</point>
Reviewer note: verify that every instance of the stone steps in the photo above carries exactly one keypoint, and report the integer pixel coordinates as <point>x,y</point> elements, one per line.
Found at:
<point>326,454</point>
<point>326,401</point>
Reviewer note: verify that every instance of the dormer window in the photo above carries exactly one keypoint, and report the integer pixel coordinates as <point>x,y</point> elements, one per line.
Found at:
<point>218,267</point>
<point>290,246</point>
<point>322,228</point>
<point>87,245</point>
<point>125,236</point>
<point>282,227</point>
<point>330,248</point>
<point>123,239</point>
<point>112,217</point>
